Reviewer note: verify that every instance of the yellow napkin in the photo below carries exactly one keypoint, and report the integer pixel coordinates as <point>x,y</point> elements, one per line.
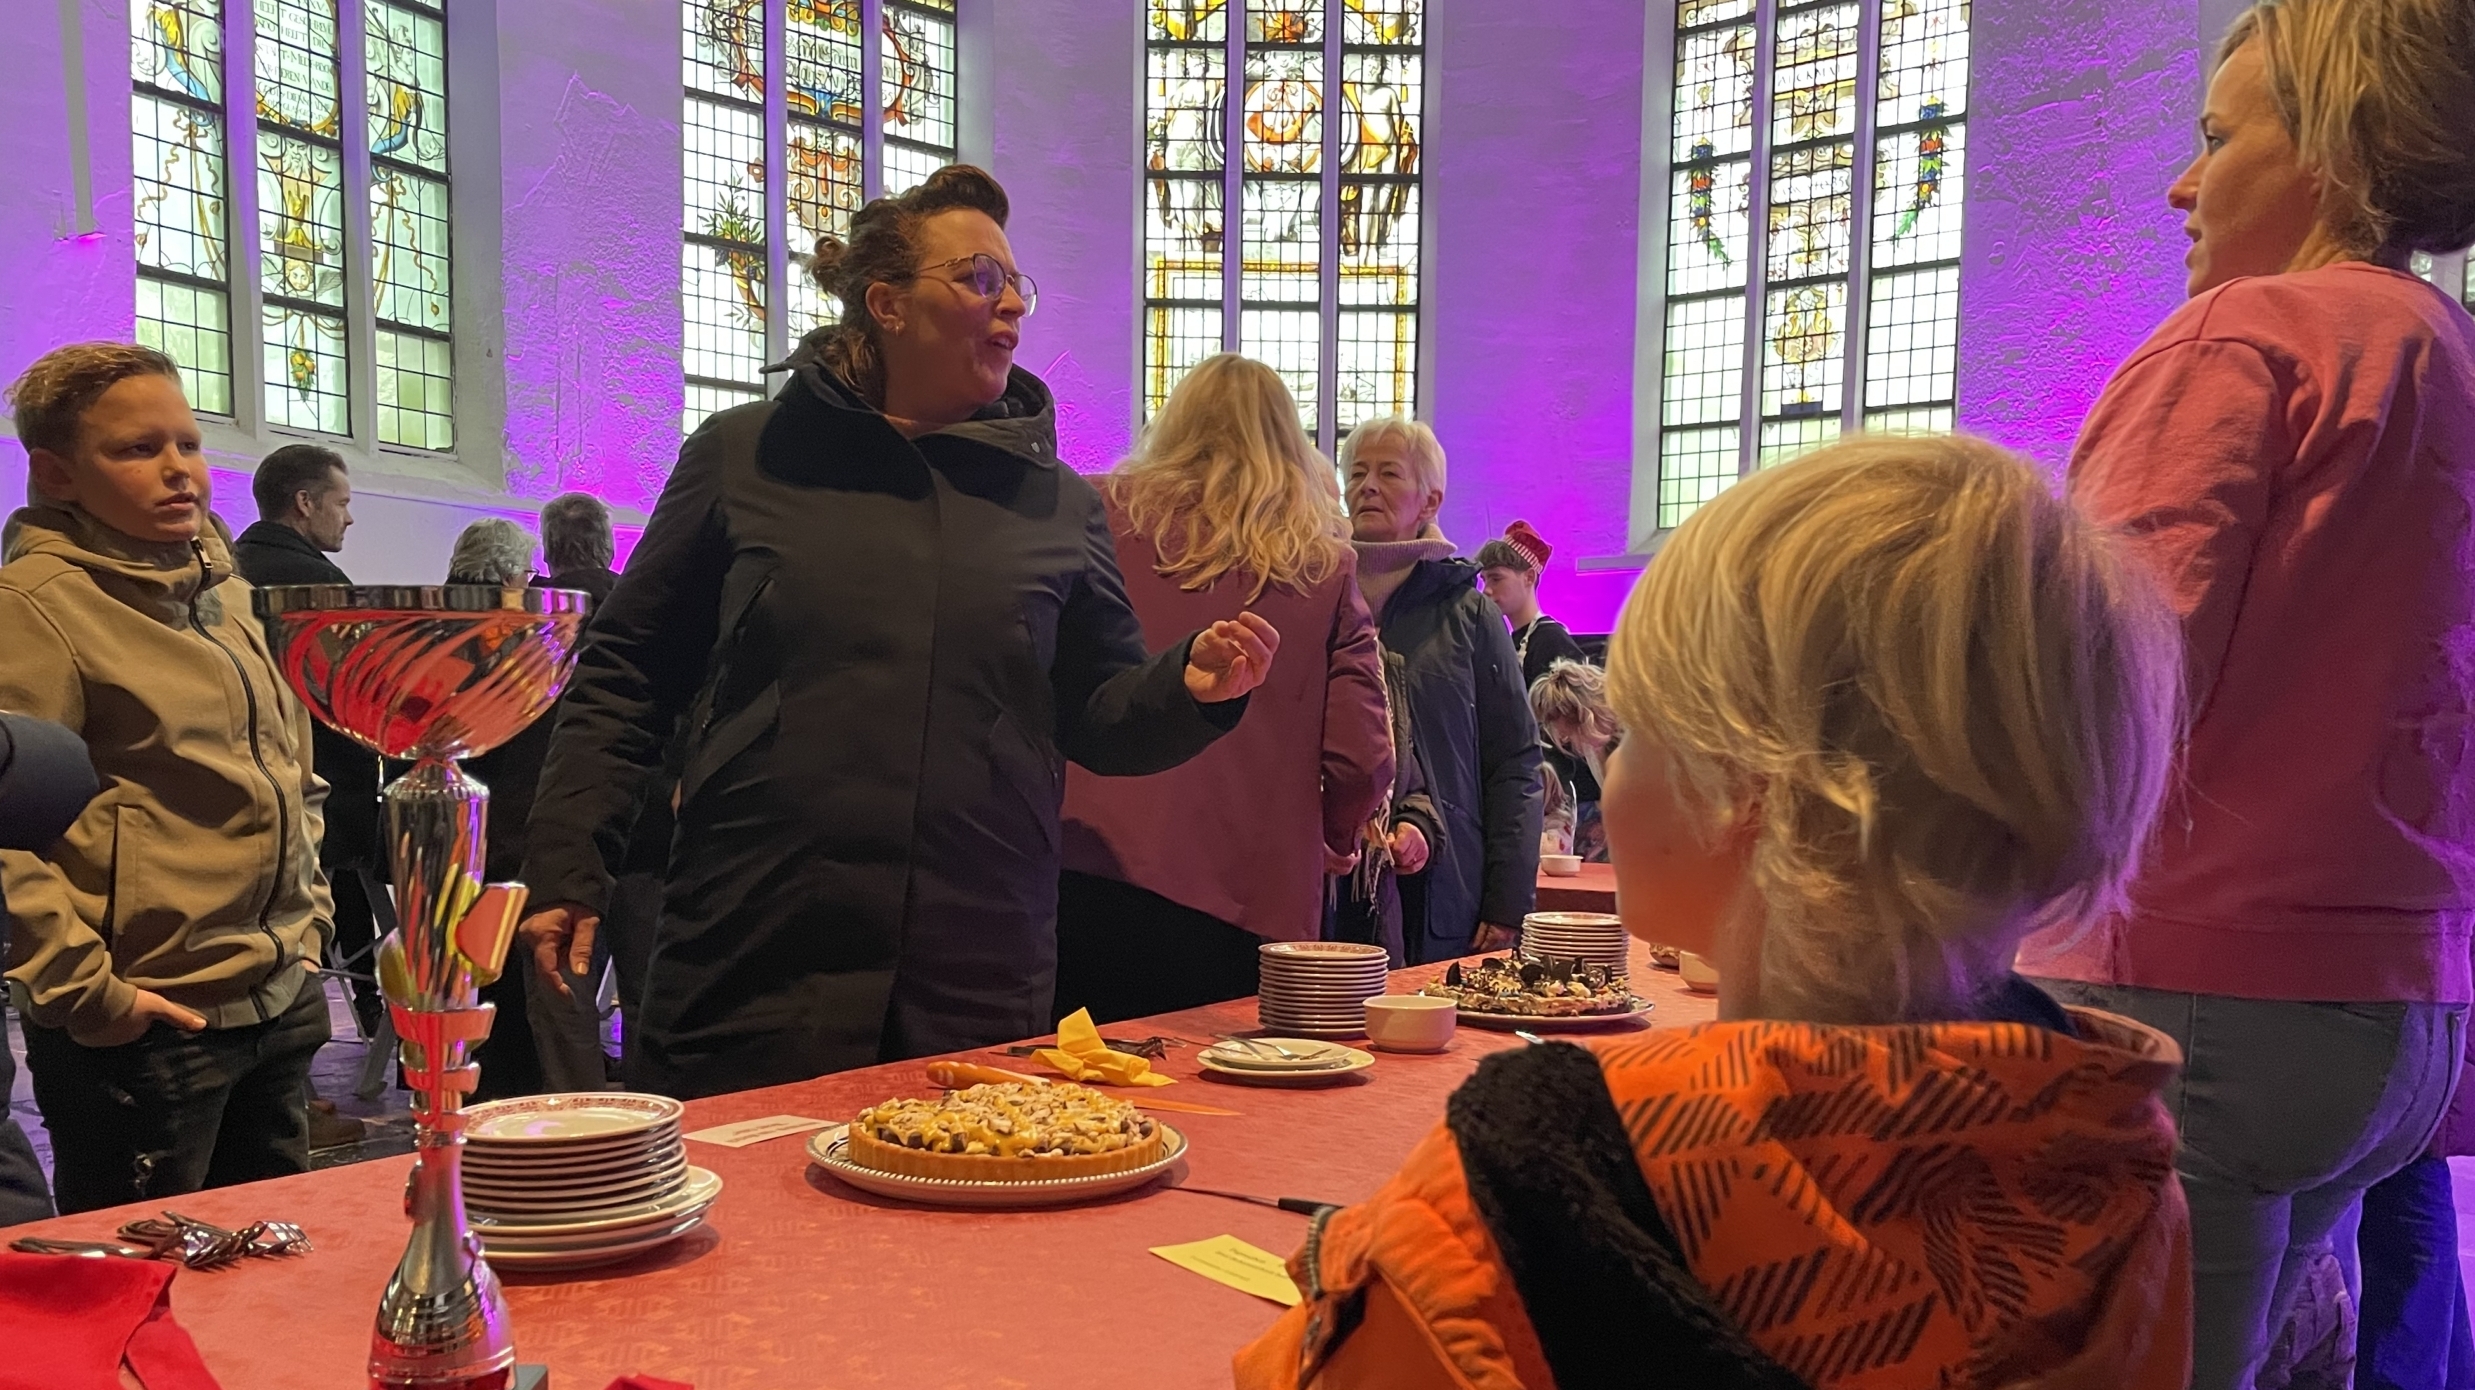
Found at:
<point>1081,1056</point>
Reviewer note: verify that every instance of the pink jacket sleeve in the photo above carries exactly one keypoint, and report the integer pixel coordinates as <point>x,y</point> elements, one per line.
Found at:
<point>2180,454</point>
<point>1357,731</point>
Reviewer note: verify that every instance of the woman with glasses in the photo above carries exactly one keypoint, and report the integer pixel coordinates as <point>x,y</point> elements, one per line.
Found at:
<point>887,615</point>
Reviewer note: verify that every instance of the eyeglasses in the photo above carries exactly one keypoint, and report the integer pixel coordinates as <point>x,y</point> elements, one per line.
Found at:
<point>989,278</point>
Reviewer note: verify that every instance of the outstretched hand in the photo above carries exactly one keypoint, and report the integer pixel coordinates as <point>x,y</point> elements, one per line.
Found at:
<point>1230,658</point>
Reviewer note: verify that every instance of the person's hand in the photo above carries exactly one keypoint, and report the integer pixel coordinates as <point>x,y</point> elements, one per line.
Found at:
<point>1409,848</point>
<point>149,1009</point>
<point>1491,937</point>
<point>1335,865</point>
<point>1228,659</point>
<point>560,929</point>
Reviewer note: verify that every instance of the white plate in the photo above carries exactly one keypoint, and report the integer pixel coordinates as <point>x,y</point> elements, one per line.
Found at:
<point>1580,1024</point>
<point>825,1149</point>
<point>504,1257</point>
<point>701,1187</point>
<point>1321,1054</point>
<point>565,1119</point>
<point>1308,1030</point>
<point>676,1221</point>
<point>552,1198</point>
<point>493,1168</point>
<point>1358,1061</point>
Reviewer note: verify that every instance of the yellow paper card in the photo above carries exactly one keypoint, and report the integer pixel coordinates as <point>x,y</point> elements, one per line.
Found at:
<point>1228,1260</point>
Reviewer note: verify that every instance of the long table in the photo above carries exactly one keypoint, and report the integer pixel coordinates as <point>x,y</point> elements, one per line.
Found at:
<point>796,1281</point>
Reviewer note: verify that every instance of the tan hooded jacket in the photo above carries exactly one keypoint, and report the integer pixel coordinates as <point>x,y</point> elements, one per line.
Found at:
<point>195,872</point>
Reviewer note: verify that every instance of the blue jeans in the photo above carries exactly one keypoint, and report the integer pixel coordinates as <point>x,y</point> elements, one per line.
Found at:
<point>2288,1112</point>
<point>2414,1333</point>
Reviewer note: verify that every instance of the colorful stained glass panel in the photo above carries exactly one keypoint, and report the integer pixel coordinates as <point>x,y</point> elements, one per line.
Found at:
<point>1380,117</point>
<point>416,390</point>
<point>1388,23</point>
<point>1709,227</point>
<point>1284,111</point>
<point>304,370</point>
<point>300,219</point>
<point>1714,93</point>
<point>1924,61</point>
<point>1182,239</point>
<point>724,292</point>
<point>1183,127</point>
<point>1691,13</point>
<point>177,46</point>
<point>1188,21</point>
<point>723,48</point>
<point>1810,211</point>
<point>408,219</point>
<point>915,69</point>
<point>820,50</point>
<point>408,86</point>
<point>299,83</point>
<point>825,183</point>
<point>1814,83</point>
<point>1284,21</point>
<point>1919,187</point>
<point>725,167</point>
<point>178,155</point>
<point>193,325</point>
<point>1379,243</point>
<point>1803,356</point>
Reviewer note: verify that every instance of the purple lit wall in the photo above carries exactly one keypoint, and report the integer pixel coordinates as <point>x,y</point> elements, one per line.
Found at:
<point>2079,116</point>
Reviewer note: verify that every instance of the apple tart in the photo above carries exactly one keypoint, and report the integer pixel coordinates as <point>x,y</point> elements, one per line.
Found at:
<point>1006,1132</point>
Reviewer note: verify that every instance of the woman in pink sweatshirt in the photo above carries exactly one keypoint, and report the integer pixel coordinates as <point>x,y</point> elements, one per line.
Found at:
<point>2295,450</point>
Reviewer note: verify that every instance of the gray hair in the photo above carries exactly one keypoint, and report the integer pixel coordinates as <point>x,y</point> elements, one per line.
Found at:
<point>1426,452</point>
<point>492,550</point>
<point>575,533</point>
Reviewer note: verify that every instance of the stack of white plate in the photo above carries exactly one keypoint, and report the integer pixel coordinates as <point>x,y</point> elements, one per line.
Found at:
<point>1593,938</point>
<point>565,1181</point>
<point>1319,989</point>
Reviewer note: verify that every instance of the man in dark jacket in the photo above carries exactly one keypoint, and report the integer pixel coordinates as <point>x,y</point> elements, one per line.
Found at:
<point>304,499</point>
<point>1467,706</point>
<point>46,780</point>
<point>866,862</point>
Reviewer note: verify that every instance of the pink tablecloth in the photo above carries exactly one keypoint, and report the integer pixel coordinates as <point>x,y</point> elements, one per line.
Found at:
<point>796,1281</point>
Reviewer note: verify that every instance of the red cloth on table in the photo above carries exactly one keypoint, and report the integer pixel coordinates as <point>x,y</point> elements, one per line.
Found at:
<point>649,1383</point>
<point>70,1322</point>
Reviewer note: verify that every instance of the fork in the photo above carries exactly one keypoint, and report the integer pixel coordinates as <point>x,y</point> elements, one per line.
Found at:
<point>1259,1046</point>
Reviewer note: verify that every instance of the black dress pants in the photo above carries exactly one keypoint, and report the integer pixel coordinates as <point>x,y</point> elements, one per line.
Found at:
<point>1126,952</point>
<point>175,1112</point>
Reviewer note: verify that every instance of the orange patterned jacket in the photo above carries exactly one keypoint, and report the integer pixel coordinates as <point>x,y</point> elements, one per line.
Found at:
<point>1929,1205</point>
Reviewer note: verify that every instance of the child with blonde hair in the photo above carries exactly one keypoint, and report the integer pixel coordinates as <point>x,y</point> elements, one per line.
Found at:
<point>1886,709</point>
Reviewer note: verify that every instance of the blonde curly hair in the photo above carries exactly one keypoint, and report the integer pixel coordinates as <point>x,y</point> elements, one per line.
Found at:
<point>1947,702</point>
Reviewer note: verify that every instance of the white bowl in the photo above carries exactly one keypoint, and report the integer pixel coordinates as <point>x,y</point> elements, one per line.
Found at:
<point>1410,1022</point>
<point>1560,865</point>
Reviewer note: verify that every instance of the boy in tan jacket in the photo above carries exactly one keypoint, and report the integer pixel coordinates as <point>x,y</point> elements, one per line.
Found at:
<point>165,943</point>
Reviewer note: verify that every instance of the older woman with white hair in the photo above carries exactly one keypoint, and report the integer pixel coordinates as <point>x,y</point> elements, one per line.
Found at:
<point>2294,452</point>
<point>1469,711</point>
<point>492,550</point>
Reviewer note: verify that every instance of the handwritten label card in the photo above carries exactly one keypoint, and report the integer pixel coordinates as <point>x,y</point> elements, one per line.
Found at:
<point>1228,1260</point>
<point>746,1132</point>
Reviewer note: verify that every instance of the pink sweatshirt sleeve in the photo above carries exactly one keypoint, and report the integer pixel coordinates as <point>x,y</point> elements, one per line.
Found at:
<point>2179,455</point>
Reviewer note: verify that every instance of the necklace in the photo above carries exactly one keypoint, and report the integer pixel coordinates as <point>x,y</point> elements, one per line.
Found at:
<point>1521,642</point>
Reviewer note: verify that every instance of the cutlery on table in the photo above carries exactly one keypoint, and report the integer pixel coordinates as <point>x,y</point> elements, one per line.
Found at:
<point>1304,1206</point>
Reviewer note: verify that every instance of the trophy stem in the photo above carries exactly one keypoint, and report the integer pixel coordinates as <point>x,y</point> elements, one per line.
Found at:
<point>442,1323</point>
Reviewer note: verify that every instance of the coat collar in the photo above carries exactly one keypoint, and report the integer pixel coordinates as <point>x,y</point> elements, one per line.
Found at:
<point>275,533</point>
<point>1022,422</point>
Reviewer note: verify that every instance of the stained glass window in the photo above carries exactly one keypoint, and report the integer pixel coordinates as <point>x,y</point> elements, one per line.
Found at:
<point>406,52</point>
<point>1843,123</point>
<point>183,226</point>
<point>317,366</point>
<point>749,228</point>
<point>1325,284</point>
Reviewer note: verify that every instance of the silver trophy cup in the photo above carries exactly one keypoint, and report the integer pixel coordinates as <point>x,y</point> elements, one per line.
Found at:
<point>434,674</point>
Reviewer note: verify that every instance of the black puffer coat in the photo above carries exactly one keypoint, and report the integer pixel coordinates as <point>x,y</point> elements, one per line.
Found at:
<point>883,647</point>
<point>1479,745</point>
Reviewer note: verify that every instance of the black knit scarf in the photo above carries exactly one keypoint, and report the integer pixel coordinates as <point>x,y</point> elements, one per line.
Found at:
<point>1552,1171</point>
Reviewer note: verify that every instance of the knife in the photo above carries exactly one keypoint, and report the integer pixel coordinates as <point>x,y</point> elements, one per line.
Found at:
<point>1304,1206</point>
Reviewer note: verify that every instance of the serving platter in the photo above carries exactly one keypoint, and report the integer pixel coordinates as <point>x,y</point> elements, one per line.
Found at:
<point>1571,1023</point>
<point>827,1149</point>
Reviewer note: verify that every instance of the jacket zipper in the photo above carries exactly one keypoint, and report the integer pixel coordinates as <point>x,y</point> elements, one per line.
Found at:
<point>283,821</point>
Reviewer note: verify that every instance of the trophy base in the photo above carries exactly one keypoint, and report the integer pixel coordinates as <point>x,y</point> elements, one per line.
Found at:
<point>512,1378</point>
